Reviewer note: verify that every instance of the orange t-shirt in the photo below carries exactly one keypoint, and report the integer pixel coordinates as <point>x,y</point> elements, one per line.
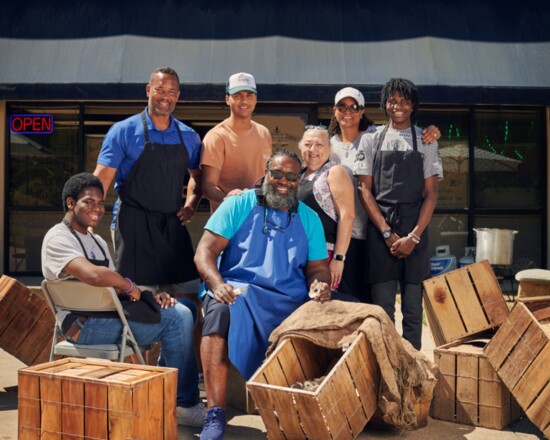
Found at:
<point>239,154</point>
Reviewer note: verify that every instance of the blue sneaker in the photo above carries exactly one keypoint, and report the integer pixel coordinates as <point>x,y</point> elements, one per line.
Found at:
<point>214,426</point>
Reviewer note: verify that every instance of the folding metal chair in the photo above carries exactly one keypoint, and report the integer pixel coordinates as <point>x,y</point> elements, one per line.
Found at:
<point>76,296</point>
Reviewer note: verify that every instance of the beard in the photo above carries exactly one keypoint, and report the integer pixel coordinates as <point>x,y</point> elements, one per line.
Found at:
<point>279,201</point>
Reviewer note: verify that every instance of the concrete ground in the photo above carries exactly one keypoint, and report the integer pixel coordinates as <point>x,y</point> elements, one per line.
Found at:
<point>242,426</point>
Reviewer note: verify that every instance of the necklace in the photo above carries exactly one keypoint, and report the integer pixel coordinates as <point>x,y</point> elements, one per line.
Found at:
<point>269,225</point>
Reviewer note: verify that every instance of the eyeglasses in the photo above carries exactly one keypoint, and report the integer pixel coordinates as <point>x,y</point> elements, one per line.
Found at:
<point>278,175</point>
<point>315,127</point>
<point>353,108</point>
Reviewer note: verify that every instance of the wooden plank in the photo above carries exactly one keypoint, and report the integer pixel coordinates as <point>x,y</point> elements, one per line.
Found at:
<point>28,405</point>
<point>50,399</point>
<point>19,327</point>
<point>289,364</point>
<point>341,387</point>
<point>539,411</point>
<point>72,410</point>
<point>170,402</point>
<point>120,413</point>
<point>467,393</point>
<point>444,405</point>
<point>262,398</point>
<point>155,414</point>
<point>507,336</point>
<point>335,417</point>
<point>433,324</point>
<point>311,418</point>
<point>494,417</point>
<point>273,371</point>
<point>525,351</point>
<point>287,412</point>
<point>362,365</point>
<point>308,355</point>
<point>39,336</point>
<point>441,301</point>
<point>534,379</point>
<point>489,292</point>
<point>467,301</point>
<point>95,413</point>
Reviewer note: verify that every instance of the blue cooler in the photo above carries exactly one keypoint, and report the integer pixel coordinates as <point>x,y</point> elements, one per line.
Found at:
<point>442,261</point>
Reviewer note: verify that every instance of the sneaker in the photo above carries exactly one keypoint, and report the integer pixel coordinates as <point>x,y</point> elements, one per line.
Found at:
<point>193,416</point>
<point>214,427</point>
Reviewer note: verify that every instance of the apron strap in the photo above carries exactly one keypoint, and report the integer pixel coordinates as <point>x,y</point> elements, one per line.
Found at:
<point>145,129</point>
<point>66,223</point>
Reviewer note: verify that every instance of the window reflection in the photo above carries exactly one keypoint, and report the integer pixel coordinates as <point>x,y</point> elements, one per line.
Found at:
<point>508,166</point>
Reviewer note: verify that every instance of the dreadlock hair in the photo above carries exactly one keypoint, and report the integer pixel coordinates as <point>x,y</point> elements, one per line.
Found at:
<point>77,184</point>
<point>284,153</point>
<point>166,71</point>
<point>405,88</point>
<point>334,127</point>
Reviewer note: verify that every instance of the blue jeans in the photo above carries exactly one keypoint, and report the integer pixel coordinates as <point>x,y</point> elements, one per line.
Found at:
<point>174,331</point>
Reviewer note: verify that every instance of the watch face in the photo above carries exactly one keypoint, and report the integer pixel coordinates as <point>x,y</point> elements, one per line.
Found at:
<point>386,234</point>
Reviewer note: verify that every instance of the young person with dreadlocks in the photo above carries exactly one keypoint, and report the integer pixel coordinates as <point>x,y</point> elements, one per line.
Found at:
<point>398,186</point>
<point>348,125</point>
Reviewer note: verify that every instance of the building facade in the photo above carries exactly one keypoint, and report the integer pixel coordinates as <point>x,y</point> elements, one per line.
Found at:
<point>481,72</point>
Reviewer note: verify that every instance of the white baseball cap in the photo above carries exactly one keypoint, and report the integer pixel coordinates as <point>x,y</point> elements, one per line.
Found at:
<point>240,81</point>
<point>350,92</point>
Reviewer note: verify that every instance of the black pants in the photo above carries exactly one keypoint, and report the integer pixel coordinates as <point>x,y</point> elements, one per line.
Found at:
<point>354,278</point>
<point>384,295</point>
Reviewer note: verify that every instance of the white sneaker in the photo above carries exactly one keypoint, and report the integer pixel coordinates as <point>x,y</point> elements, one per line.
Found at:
<point>193,416</point>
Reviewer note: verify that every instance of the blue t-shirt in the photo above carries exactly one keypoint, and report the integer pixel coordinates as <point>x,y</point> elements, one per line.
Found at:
<point>125,140</point>
<point>232,213</point>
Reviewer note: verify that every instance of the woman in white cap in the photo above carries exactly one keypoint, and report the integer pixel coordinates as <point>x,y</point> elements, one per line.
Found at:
<point>348,124</point>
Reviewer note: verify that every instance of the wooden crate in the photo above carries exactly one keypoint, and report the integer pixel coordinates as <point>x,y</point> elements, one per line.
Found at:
<point>94,399</point>
<point>464,307</point>
<point>463,302</point>
<point>26,323</point>
<point>338,409</point>
<point>468,390</point>
<point>520,354</point>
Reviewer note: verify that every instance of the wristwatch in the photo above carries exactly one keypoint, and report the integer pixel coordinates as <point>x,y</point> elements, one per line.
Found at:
<point>339,257</point>
<point>387,233</point>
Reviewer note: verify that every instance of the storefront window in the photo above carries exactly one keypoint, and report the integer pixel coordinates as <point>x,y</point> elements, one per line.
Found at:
<point>39,165</point>
<point>508,164</point>
<point>454,153</point>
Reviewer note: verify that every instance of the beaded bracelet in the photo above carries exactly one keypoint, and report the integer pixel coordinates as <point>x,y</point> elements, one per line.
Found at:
<point>414,238</point>
<point>129,289</point>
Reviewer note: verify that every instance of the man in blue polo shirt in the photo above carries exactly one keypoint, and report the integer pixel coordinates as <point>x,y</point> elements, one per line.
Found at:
<point>150,155</point>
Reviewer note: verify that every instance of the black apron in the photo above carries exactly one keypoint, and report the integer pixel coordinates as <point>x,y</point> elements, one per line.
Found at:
<point>94,261</point>
<point>398,186</point>
<point>152,246</point>
<point>305,194</point>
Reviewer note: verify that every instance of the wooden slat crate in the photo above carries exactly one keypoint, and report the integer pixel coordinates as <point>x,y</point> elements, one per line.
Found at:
<point>26,323</point>
<point>94,399</point>
<point>520,354</point>
<point>464,302</point>
<point>338,409</point>
<point>468,390</point>
<point>464,305</point>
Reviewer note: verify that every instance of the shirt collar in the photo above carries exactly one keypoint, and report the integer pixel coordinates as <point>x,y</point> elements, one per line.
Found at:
<point>151,125</point>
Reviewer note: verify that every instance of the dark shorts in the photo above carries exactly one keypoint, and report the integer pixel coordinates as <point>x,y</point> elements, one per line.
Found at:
<point>216,317</point>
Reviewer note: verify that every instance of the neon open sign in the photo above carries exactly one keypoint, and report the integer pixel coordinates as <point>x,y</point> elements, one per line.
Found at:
<point>31,124</point>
